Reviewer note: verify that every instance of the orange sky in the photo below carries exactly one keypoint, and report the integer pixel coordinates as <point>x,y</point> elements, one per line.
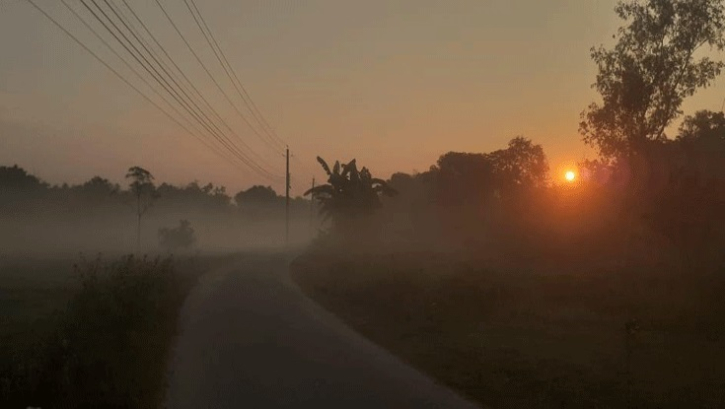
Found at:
<point>391,83</point>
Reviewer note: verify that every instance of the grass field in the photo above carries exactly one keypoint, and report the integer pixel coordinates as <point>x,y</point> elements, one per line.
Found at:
<point>89,333</point>
<point>519,338</point>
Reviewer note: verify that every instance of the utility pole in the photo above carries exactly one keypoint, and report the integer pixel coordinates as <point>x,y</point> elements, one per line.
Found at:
<point>287,186</point>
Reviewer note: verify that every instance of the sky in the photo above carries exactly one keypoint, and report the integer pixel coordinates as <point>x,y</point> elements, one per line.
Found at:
<point>392,83</point>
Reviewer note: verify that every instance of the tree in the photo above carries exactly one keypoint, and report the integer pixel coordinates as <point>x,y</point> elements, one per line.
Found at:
<point>142,188</point>
<point>701,141</point>
<point>473,178</point>
<point>350,196</point>
<point>178,238</point>
<point>98,187</point>
<point>463,179</point>
<point>257,196</point>
<point>522,165</point>
<point>16,178</point>
<point>704,125</point>
<point>18,189</point>
<point>652,68</point>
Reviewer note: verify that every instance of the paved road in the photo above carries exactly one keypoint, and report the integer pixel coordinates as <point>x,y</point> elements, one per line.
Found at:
<point>251,339</point>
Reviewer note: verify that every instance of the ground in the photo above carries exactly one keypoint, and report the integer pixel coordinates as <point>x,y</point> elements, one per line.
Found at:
<point>531,337</point>
<point>251,338</point>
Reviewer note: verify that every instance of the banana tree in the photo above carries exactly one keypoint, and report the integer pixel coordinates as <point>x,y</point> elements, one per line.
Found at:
<point>350,196</point>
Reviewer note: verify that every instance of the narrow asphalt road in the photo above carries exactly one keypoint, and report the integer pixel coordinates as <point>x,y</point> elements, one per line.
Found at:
<point>251,339</point>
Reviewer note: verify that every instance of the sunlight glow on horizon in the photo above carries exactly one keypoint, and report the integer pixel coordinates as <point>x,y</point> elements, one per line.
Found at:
<point>570,176</point>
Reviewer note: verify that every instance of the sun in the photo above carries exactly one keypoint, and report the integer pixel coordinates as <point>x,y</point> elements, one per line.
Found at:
<point>570,176</point>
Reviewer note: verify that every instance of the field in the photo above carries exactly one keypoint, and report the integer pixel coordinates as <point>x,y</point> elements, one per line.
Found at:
<point>535,336</point>
<point>89,332</point>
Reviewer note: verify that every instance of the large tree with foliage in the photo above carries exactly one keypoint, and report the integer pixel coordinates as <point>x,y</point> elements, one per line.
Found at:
<point>521,165</point>
<point>18,179</point>
<point>687,209</point>
<point>462,179</point>
<point>257,195</point>
<point>652,68</point>
<point>350,195</point>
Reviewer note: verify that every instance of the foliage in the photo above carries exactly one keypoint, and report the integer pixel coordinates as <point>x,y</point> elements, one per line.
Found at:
<point>350,196</point>
<point>686,208</point>
<point>177,238</point>
<point>521,165</point>
<point>98,187</point>
<point>109,347</point>
<point>471,197</point>
<point>257,196</point>
<point>463,178</point>
<point>21,191</point>
<point>475,177</point>
<point>17,188</point>
<point>644,79</point>
<point>142,187</point>
<point>16,178</point>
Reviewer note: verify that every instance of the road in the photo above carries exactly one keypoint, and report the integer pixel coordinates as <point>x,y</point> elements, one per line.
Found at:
<point>251,339</point>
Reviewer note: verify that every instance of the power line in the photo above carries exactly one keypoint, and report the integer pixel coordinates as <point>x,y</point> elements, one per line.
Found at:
<point>130,67</point>
<point>244,91</point>
<point>188,81</point>
<point>155,75</point>
<point>198,59</point>
<point>113,50</point>
<point>108,66</point>
<point>146,64</point>
<point>175,96</point>
<point>229,71</point>
<point>217,131</point>
<point>205,123</point>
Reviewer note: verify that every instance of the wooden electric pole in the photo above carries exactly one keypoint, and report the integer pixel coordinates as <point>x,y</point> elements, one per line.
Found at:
<point>287,186</point>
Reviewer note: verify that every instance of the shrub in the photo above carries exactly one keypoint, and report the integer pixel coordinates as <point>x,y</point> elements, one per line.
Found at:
<point>178,238</point>
<point>109,347</point>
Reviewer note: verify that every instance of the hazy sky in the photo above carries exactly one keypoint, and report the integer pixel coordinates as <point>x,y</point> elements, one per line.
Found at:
<point>392,83</point>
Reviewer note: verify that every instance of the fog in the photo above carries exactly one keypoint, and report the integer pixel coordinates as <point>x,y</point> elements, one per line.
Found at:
<point>100,217</point>
<point>50,236</point>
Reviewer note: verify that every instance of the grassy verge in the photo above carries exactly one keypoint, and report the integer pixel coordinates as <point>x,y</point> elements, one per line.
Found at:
<point>515,339</point>
<point>93,335</point>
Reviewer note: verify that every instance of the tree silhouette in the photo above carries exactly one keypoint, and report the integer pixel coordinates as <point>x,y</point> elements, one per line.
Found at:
<point>463,179</point>
<point>522,165</point>
<point>650,71</point>
<point>350,195</point>
<point>142,188</point>
<point>257,196</point>
<point>18,188</point>
<point>97,188</point>
<point>16,178</point>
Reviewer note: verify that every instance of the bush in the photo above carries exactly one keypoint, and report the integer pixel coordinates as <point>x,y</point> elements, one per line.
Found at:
<point>173,239</point>
<point>109,348</point>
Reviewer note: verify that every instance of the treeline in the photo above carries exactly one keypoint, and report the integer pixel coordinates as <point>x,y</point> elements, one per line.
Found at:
<point>98,215</point>
<point>661,203</point>
<point>648,197</point>
<point>666,197</point>
<point>22,193</point>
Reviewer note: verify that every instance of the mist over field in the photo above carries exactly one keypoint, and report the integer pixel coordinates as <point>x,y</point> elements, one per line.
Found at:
<point>98,216</point>
<point>506,204</point>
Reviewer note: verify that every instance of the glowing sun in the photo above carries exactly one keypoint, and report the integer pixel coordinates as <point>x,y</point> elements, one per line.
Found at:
<point>570,176</point>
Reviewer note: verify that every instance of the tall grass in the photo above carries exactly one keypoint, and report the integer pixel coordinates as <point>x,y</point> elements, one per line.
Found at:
<point>108,347</point>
